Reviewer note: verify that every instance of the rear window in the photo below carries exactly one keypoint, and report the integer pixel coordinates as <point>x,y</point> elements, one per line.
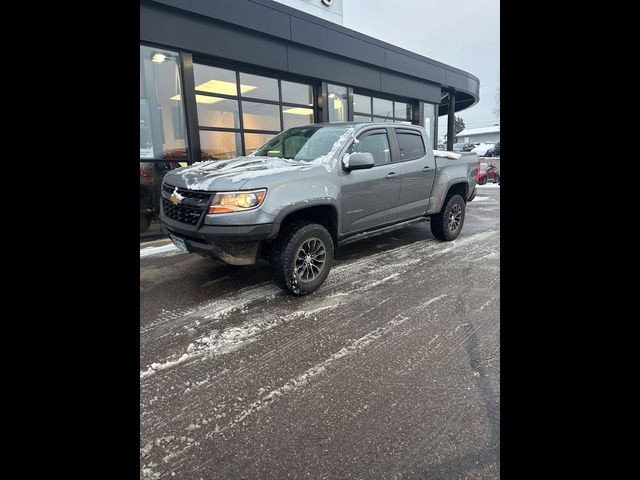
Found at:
<point>411,145</point>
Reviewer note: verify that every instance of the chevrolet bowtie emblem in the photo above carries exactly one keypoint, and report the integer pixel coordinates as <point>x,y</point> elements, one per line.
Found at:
<point>176,198</point>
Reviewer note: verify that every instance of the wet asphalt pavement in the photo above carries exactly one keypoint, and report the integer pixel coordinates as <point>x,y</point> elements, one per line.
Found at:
<point>390,371</point>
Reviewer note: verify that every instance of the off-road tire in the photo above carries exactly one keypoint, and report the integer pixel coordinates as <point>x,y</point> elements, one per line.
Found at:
<point>284,252</point>
<point>440,221</point>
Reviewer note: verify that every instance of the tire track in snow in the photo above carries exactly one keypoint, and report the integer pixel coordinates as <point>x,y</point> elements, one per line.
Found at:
<point>361,275</point>
<point>224,341</point>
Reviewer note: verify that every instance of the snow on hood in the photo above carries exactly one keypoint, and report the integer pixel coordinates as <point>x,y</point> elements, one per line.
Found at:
<point>446,154</point>
<point>202,175</point>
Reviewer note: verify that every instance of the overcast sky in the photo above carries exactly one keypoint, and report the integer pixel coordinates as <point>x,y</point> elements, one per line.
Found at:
<point>461,33</point>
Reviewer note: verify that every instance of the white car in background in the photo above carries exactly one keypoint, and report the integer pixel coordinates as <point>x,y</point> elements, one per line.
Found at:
<point>482,149</point>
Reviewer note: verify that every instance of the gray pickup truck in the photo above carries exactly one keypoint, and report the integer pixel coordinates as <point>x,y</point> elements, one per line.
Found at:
<point>312,188</point>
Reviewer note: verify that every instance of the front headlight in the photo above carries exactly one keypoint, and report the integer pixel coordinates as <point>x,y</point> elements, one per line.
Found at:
<point>228,202</point>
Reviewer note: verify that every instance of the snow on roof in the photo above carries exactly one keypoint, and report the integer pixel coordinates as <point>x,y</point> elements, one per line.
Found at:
<point>478,131</point>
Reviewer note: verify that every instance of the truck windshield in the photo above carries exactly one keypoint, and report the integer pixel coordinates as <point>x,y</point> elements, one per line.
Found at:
<point>302,143</point>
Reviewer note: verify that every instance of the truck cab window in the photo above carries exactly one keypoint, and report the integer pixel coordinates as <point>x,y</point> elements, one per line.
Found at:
<point>377,144</point>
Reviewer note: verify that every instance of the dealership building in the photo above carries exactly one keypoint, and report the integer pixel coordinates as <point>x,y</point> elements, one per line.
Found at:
<point>220,78</point>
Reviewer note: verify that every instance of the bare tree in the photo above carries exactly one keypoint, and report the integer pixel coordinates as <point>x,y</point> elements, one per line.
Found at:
<point>496,110</point>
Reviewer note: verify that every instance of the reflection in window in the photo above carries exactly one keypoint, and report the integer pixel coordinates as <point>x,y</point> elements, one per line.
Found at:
<point>260,116</point>
<point>219,145</point>
<point>217,112</point>
<point>253,141</point>
<point>411,146</point>
<point>297,93</point>
<point>376,144</point>
<point>296,116</point>
<point>430,119</point>
<point>255,86</point>
<point>215,80</point>
<point>337,103</point>
<point>162,120</point>
<point>383,107</point>
<point>402,110</point>
<point>361,118</point>
<point>361,103</point>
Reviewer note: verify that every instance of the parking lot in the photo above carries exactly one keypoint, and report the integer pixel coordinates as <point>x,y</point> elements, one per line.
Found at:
<point>390,370</point>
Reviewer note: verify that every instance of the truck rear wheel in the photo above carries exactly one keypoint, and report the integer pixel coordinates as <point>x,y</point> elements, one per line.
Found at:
<point>301,257</point>
<point>447,224</point>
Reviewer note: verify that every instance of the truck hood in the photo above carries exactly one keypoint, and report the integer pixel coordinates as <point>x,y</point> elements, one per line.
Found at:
<point>220,175</point>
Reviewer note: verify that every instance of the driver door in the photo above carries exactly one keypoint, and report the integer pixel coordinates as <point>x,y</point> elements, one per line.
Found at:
<point>370,197</point>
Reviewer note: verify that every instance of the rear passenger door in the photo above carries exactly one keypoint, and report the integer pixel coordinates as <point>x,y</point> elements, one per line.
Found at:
<point>370,197</point>
<point>417,171</point>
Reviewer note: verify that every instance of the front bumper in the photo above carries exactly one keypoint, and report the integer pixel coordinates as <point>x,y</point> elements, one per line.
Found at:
<point>232,245</point>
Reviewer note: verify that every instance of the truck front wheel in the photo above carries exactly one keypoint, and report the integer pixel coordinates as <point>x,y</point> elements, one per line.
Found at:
<point>301,257</point>
<point>447,224</point>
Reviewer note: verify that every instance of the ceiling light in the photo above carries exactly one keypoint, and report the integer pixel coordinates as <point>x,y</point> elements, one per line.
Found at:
<point>158,57</point>
<point>299,111</point>
<point>201,99</point>
<point>226,88</point>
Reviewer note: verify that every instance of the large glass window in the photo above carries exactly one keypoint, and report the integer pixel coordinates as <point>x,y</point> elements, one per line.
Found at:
<point>255,86</point>
<point>221,94</point>
<point>219,145</point>
<point>383,110</point>
<point>430,119</point>
<point>338,103</point>
<point>162,119</point>
<point>361,118</point>
<point>296,116</point>
<point>163,138</point>
<point>297,93</point>
<point>361,104</point>
<point>215,80</point>
<point>402,110</point>
<point>217,112</point>
<point>261,116</point>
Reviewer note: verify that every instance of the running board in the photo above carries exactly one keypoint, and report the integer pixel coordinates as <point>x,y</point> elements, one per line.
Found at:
<point>380,231</point>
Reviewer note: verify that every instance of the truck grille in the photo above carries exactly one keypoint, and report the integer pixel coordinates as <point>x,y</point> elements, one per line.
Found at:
<point>187,193</point>
<point>182,213</point>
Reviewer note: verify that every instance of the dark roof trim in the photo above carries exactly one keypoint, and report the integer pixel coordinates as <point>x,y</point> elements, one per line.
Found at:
<point>278,20</point>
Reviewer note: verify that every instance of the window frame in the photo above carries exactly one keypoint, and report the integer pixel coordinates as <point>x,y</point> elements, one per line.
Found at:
<point>239,68</point>
<point>415,106</point>
<point>182,60</point>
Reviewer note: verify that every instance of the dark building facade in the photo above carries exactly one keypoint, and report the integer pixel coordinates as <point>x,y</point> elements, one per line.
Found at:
<point>218,78</point>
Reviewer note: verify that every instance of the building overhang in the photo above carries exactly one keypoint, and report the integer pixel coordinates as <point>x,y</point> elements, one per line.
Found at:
<point>272,35</point>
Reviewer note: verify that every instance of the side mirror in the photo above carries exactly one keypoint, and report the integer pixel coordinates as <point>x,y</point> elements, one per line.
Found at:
<point>358,161</point>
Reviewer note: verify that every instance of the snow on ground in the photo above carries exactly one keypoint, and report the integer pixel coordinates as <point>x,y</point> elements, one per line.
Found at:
<point>481,199</point>
<point>164,250</point>
<point>489,185</point>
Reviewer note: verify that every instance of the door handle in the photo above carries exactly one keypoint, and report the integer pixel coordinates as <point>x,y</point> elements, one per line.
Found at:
<point>424,169</point>
<point>392,175</point>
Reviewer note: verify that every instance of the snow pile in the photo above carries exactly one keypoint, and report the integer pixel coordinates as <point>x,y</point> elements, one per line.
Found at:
<point>165,250</point>
<point>446,154</point>
<point>482,149</point>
